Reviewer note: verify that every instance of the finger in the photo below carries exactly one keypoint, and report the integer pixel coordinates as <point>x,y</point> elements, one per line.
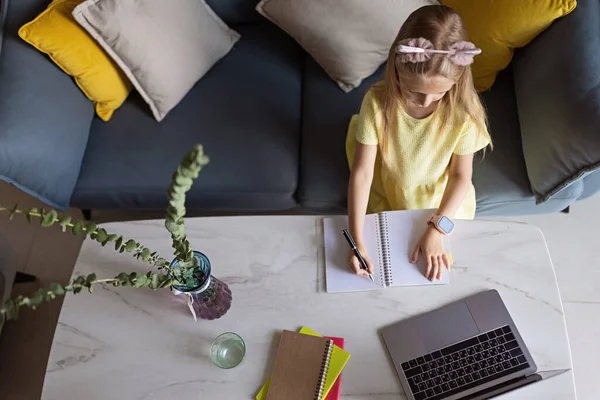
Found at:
<point>355,265</point>
<point>440,267</point>
<point>429,266</point>
<point>446,261</point>
<point>362,272</point>
<point>369,264</point>
<point>434,270</point>
<point>415,255</point>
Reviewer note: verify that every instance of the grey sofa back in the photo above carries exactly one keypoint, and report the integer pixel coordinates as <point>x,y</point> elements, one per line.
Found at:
<point>235,12</point>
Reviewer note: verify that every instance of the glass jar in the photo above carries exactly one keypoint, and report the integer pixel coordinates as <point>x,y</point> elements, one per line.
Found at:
<point>212,298</point>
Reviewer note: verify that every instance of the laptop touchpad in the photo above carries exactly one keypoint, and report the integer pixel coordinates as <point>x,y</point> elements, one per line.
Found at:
<point>446,326</point>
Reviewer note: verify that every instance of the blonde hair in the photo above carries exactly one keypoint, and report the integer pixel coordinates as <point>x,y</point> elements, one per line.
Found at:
<point>443,27</point>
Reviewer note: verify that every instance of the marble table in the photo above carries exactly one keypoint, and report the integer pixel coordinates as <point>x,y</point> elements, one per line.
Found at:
<point>123,343</point>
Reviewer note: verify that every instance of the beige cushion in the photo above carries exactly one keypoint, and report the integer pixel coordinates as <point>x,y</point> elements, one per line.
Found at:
<point>164,48</point>
<point>350,39</point>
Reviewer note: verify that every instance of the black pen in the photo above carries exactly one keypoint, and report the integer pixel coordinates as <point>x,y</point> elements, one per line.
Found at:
<point>361,260</point>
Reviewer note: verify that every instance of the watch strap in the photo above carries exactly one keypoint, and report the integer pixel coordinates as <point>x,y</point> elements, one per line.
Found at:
<point>433,220</point>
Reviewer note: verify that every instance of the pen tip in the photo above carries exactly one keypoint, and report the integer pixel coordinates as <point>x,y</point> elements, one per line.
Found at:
<point>371,277</point>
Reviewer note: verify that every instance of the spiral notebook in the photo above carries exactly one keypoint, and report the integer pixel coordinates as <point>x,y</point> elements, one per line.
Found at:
<point>390,238</point>
<point>339,359</point>
<point>300,367</point>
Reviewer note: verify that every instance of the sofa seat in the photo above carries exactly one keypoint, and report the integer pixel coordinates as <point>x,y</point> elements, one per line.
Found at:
<point>246,112</point>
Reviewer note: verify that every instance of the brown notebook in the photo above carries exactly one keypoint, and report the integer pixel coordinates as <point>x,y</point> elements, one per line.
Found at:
<point>300,367</point>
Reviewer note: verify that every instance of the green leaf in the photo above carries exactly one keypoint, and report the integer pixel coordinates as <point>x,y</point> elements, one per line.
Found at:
<point>145,254</point>
<point>48,218</point>
<point>130,246</point>
<point>162,262</point>
<point>64,222</point>
<point>112,237</point>
<point>57,289</point>
<point>140,280</point>
<point>101,235</point>
<point>12,310</point>
<point>118,243</point>
<point>90,227</point>
<point>91,278</point>
<point>36,299</point>
<point>77,227</point>
<point>154,284</point>
<point>166,282</point>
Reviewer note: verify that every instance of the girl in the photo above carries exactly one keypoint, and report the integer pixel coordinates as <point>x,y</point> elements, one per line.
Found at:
<point>413,141</point>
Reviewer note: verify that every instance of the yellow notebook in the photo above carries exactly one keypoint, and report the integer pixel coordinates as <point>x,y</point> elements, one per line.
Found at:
<point>339,358</point>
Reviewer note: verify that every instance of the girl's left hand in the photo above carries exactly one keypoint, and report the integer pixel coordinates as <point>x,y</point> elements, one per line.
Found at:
<point>433,250</point>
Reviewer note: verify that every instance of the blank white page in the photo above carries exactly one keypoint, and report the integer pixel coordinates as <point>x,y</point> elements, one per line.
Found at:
<point>339,277</point>
<point>405,228</point>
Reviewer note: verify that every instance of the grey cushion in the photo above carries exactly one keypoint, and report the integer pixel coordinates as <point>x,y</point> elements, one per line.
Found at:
<point>246,113</point>
<point>557,80</point>
<point>326,112</point>
<point>236,11</point>
<point>162,49</point>
<point>44,117</point>
<point>500,180</point>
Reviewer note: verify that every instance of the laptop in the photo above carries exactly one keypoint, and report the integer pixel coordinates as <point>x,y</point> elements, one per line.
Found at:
<point>470,349</point>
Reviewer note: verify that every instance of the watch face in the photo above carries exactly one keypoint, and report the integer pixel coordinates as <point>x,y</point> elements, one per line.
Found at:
<point>446,225</point>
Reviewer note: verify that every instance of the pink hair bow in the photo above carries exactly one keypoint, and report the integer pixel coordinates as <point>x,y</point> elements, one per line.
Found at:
<point>420,50</point>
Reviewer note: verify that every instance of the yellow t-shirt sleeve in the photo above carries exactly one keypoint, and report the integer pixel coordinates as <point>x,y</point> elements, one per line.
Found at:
<point>369,121</point>
<point>470,141</point>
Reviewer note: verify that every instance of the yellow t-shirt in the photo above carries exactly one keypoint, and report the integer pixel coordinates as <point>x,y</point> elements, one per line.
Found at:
<point>414,173</point>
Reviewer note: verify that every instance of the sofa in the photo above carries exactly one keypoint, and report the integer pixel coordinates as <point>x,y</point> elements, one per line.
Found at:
<point>273,124</point>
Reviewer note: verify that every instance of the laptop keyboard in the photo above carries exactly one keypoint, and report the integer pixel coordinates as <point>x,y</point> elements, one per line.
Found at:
<point>465,365</point>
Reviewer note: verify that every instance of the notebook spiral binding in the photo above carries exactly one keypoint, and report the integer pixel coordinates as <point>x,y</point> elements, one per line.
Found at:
<point>324,370</point>
<point>384,240</point>
<point>379,252</point>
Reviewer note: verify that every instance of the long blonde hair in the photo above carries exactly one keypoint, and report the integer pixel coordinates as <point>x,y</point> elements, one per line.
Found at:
<point>443,27</point>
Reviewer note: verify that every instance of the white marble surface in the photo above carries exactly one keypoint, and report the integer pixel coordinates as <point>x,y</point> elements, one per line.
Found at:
<point>138,344</point>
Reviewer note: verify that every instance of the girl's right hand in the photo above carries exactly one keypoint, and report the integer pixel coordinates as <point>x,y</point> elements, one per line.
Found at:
<point>355,264</point>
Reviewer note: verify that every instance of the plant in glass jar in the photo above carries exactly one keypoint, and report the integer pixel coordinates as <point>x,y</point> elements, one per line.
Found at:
<point>189,272</point>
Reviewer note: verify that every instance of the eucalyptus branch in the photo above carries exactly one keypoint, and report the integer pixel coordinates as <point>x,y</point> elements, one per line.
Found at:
<point>151,280</point>
<point>181,183</point>
<point>185,274</point>
<point>48,218</point>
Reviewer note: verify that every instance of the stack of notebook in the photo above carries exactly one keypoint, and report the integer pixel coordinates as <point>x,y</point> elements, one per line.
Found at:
<point>307,367</point>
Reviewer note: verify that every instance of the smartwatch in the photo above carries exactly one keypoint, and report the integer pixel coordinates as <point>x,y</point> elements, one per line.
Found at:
<point>442,223</point>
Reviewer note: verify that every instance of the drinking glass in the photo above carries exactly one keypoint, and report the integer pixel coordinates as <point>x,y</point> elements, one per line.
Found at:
<point>227,350</point>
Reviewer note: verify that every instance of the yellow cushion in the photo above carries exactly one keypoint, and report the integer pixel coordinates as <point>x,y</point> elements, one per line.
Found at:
<point>56,33</point>
<point>499,26</point>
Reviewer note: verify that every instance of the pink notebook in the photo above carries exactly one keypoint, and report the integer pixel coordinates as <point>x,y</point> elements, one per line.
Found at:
<point>334,393</point>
